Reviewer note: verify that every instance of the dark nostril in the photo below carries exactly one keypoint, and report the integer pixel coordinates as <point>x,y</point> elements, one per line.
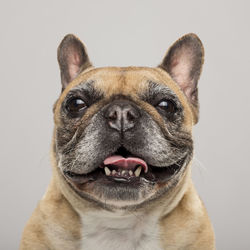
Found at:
<point>113,116</point>
<point>130,116</point>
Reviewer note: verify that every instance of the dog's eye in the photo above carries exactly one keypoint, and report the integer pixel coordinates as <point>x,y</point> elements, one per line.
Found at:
<point>167,106</point>
<point>75,105</point>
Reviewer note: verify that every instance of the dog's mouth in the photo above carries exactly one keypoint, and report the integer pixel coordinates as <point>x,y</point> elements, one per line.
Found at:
<point>124,167</point>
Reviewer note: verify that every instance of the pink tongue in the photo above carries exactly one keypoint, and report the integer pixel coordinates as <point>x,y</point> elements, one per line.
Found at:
<point>129,163</point>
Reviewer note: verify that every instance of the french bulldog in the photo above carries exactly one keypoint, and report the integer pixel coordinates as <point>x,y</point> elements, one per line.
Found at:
<point>121,153</point>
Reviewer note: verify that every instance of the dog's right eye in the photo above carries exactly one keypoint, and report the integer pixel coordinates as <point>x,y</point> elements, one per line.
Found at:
<point>75,106</point>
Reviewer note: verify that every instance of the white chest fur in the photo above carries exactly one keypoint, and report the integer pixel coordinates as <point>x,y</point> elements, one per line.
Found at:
<point>127,231</point>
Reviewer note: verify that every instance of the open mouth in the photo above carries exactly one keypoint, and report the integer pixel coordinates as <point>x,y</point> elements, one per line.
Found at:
<point>124,167</point>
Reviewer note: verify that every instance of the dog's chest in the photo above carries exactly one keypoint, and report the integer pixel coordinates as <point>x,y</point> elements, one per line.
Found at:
<point>132,232</point>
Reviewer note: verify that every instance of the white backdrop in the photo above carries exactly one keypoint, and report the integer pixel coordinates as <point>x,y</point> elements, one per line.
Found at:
<point>122,33</point>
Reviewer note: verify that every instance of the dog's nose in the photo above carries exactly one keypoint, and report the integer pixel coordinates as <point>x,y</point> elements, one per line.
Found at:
<point>122,116</point>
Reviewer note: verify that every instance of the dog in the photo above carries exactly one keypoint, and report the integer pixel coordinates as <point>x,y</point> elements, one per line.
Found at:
<point>122,150</point>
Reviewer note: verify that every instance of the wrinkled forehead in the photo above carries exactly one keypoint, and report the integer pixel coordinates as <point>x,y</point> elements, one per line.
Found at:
<point>133,82</point>
<point>126,81</point>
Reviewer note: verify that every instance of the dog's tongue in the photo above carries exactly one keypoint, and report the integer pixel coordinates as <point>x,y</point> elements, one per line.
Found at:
<point>129,163</point>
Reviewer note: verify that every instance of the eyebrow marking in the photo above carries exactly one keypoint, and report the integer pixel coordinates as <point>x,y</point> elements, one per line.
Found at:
<point>157,89</point>
<point>88,90</point>
<point>87,85</point>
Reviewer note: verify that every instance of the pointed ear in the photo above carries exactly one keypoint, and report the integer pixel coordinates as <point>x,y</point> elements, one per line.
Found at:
<point>183,62</point>
<point>72,58</point>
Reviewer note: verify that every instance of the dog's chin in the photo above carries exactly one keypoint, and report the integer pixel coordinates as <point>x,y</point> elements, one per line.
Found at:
<point>124,185</point>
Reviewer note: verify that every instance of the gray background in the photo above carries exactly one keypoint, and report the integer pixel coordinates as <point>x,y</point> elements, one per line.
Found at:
<point>123,33</point>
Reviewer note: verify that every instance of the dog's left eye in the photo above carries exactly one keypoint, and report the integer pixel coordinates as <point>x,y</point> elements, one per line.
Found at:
<point>167,106</point>
<point>76,106</point>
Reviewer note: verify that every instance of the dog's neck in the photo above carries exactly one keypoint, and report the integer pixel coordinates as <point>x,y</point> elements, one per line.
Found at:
<point>120,230</point>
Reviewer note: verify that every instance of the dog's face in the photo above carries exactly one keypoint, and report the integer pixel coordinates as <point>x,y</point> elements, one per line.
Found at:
<point>123,135</point>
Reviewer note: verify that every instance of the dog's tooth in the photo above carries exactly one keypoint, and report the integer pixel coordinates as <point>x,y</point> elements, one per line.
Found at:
<point>124,172</point>
<point>138,171</point>
<point>131,172</point>
<point>107,171</point>
<point>113,172</point>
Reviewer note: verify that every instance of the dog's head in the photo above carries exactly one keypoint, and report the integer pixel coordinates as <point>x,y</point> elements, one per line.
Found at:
<point>123,135</point>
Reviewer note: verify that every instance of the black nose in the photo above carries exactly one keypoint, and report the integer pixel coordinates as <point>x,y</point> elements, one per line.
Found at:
<point>122,115</point>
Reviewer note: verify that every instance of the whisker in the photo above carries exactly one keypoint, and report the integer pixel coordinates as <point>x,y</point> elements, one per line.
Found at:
<point>197,163</point>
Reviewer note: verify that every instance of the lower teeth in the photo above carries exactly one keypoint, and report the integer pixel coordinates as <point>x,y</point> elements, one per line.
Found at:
<point>122,172</point>
<point>138,171</point>
<point>107,171</point>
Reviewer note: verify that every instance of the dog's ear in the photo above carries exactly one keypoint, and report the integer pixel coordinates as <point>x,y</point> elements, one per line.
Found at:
<point>72,58</point>
<point>183,62</point>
